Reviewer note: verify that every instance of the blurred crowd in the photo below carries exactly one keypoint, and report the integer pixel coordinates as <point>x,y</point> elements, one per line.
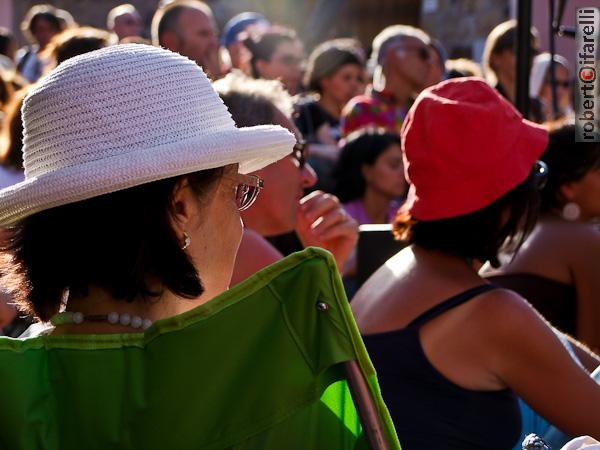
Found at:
<point>342,97</point>
<point>351,166</point>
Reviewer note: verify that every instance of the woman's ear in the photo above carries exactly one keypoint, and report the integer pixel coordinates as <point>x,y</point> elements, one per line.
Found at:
<point>325,82</point>
<point>261,67</point>
<point>568,191</point>
<point>182,202</point>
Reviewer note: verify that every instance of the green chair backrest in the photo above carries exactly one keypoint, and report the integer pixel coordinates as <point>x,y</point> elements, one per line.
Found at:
<point>258,367</point>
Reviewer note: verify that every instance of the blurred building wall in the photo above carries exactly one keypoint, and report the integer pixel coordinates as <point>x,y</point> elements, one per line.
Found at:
<point>6,14</point>
<point>314,20</point>
<point>463,25</point>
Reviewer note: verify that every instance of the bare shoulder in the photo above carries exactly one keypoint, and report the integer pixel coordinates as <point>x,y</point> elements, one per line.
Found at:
<point>254,253</point>
<point>377,302</point>
<point>505,331</point>
<point>556,249</point>
<point>502,312</point>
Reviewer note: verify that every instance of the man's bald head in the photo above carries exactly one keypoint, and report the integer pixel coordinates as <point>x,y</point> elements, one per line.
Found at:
<point>166,18</point>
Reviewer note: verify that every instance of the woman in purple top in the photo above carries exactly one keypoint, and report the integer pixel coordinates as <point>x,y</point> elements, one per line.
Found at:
<point>369,176</point>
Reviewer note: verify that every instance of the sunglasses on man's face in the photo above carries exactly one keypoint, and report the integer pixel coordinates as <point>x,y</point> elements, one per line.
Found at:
<point>290,60</point>
<point>247,189</point>
<point>422,52</point>
<point>299,153</point>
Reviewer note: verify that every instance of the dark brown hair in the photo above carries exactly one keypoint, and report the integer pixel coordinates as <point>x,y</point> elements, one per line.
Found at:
<point>58,18</point>
<point>76,41</point>
<point>328,57</point>
<point>263,45</point>
<point>481,234</point>
<point>567,161</point>
<point>121,242</point>
<point>6,39</point>
<point>362,147</point>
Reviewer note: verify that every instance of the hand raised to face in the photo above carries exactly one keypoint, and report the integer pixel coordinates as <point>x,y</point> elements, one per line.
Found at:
<point>322,222</point>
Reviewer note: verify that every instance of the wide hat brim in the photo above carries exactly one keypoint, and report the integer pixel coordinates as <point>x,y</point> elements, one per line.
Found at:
<point>252,147</point>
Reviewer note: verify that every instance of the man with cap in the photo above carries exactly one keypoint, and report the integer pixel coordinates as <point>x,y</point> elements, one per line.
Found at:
<point>188,27</point>
<point>400,61</point>
<point>246,22</point>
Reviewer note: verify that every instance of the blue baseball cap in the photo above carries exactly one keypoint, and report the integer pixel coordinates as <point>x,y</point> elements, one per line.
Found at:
<point>239,23</point>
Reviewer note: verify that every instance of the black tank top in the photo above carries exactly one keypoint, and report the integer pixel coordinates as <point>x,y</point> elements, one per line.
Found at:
<point>429,411</point>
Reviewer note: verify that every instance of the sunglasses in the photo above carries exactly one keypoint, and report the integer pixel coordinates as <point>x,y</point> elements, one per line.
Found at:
<point>422,52</point>
<point>299,153</point>
<point>539,172</point>
<point>247,190</point>
<point>290,60</point>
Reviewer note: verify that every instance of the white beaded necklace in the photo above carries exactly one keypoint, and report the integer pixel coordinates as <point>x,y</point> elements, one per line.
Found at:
<point>114,318</point>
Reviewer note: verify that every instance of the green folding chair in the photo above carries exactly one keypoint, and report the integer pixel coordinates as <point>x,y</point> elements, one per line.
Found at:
<point>276,362</point>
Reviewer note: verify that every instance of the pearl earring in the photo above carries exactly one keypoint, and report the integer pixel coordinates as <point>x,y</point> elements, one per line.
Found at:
<point>571,211</point>
<point>187,240</point>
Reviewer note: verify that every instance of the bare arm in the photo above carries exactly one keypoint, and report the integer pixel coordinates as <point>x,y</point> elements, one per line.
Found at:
<point>527,356</point>
<point>589,359</point>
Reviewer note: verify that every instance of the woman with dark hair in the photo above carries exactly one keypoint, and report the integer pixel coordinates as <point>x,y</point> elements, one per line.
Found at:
<point>334,75</point>
<point>277,54</point>
<point>161,199</point>
<point>558,270</point>
<point>122,242</point>
<point>40,24</point>
<point>369,176</point>
<point>451,350</point>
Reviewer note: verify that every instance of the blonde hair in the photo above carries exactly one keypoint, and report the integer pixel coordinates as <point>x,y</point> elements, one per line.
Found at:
<point>502,37</point>
<point>468,67</point>
<point>499,35</point>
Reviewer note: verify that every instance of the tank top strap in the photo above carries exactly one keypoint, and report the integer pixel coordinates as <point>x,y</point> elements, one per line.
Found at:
<point>452,302</point>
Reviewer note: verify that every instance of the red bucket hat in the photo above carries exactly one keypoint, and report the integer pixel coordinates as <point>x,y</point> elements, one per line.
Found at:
<point>465,146</point>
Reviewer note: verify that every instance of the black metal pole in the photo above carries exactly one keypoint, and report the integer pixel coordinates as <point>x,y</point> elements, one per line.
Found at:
<point>523,52</point>
<point>553,30</point>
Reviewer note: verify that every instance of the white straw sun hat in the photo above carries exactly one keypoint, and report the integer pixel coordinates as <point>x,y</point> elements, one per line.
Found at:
<point>123,116</point>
